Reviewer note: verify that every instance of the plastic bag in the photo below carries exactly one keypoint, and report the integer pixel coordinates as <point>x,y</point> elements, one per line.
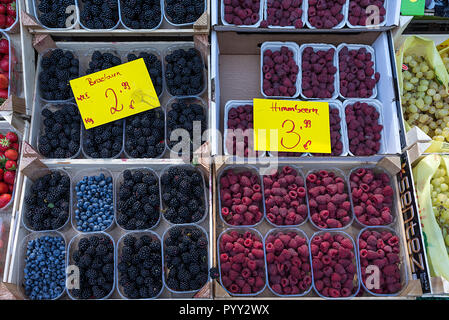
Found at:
<point>436,250</point>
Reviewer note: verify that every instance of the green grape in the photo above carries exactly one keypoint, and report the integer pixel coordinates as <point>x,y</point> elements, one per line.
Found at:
<point>414,80</point>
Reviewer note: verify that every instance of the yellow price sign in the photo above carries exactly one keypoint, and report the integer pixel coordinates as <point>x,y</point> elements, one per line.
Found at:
<point>443,45</point>
<point>114,93</point>
<point>291,126</point>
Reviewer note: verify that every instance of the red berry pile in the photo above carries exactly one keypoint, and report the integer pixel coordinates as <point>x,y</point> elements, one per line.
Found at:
<point>372,197</point>
<point>318,73</point>
<point>7,13</point>
<point>325,14</point>
<point>280,72</point>
<point>284,13</point>
<point>242,262</point>
<point>285,197</point>
<point>241,197</point>
<point>237,141</point>
<point>334,266</point>
<point>364,129</point>
<point>4,69</point>
<point>328,200</point>
<point>241,12</point>
<point>358,11</point>
<point>9,155</point>
<point>381,249</point>
<point>357,75</point>
<point>288,263</point>
<point>335,127</point>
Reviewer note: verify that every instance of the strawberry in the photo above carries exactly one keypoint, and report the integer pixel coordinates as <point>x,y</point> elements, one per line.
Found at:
<point>4,82</point>
<point>1,174</point>
<point>4,63</point>
<point>2,21</point>
<point>15,146</point>
<point>11,136</point>
<point>4,199</point>
<point>11,154</point>
<point>3,188</point>
<point>4,46</point>
<point>11,9</point>
<point>2,9</point>
<point>10,21</point>
<point>5,144</point>
<point>3,93</point>
<point>10,165</point>
<point>9,177</point>
<point>10,187</point>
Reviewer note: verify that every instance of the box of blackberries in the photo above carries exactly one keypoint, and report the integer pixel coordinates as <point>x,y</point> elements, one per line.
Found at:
<point>178,72</point>
<point>134,231</point>
<point>121,15</point>
<point>298,229</point>
<point>357,78</point>
<point>305,15</point>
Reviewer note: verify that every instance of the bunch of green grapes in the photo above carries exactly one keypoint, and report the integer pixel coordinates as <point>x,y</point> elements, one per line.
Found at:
<point>439,188</point>
<point>425,102</point>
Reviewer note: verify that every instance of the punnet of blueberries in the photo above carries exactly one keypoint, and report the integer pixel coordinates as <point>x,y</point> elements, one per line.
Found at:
<point>61,132</point>
<point>183,195</point>
<point>154,66</point>
<point>53,14</point>
<point>138,203</point>
<point>94,256</point>
<point>184,11</point>
<point>186,114</point>
<point>57,68</point>
<point>101,61</point>
<point>141,14</point>
<point>145,134</point>
<point>94,203</point>
<point>47,202</point>
<point>44,272</point>
<point>184,72</point>
<point>185,258</point>
<point>104,141</point>
<point>140,266</point>
<point>99,14</point>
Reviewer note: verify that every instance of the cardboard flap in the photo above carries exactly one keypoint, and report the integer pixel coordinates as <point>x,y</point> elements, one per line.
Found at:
<point>440,285</point>
<point>29,21</point>
<point>413,289</point>
<point>205,292</point>
<point>219,291</point>
<point>43,42</point>
<point>9,291</point>
<point>31,164</point>
<point>202,24</point>
<point>202,156</point>
<point>14,104</point>
<point>391,164</point>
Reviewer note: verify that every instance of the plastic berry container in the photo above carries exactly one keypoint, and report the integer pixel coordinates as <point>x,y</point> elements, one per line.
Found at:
<point>125,136</point>
<point>401,263</point>
<point>22,254</point>
<point>320,47</point>
<point>76,179</point>
<point>87,57</point>
<point>303,16</point>
<point>165,5</point>
<point>3,130</point>
<point>381,24</point>
<point>164,207</point>
<point>40,173</point>
<point>11,27</point>
<point>255,25</point>
<point>275,232</point>
<point>188,100</point>
<point>169,50</point>
<point>55,107</point>
<point>118,255</point>
<point>84,135</point>
<point>306,200</point>
<point>165,267</point>
<point>336,104</point>
<point>234,104</point>
<point>11,53</point>
<point>338,26</point>
<point>355,264</point>
<point>276,46</point>
<point>238,169</point>
<point>149,50</point>
<point>351,47</point>
<point>131,29</point>
<point>393,209</point>
<point>118,183</point>
<point>47,53</point>
<point>241,232</point>
<point>338,174</point>
<point>74,13</point>
<point>376,104</point>
<point>73,246</point>
<point>80,5</point>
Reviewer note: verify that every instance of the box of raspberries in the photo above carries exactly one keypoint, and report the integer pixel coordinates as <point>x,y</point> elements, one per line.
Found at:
<point>298,231</point>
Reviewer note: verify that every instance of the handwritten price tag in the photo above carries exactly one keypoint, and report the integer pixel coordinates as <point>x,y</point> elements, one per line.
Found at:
<point>443,45</point>
<point>291,126</point>
<point>114,93</point>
